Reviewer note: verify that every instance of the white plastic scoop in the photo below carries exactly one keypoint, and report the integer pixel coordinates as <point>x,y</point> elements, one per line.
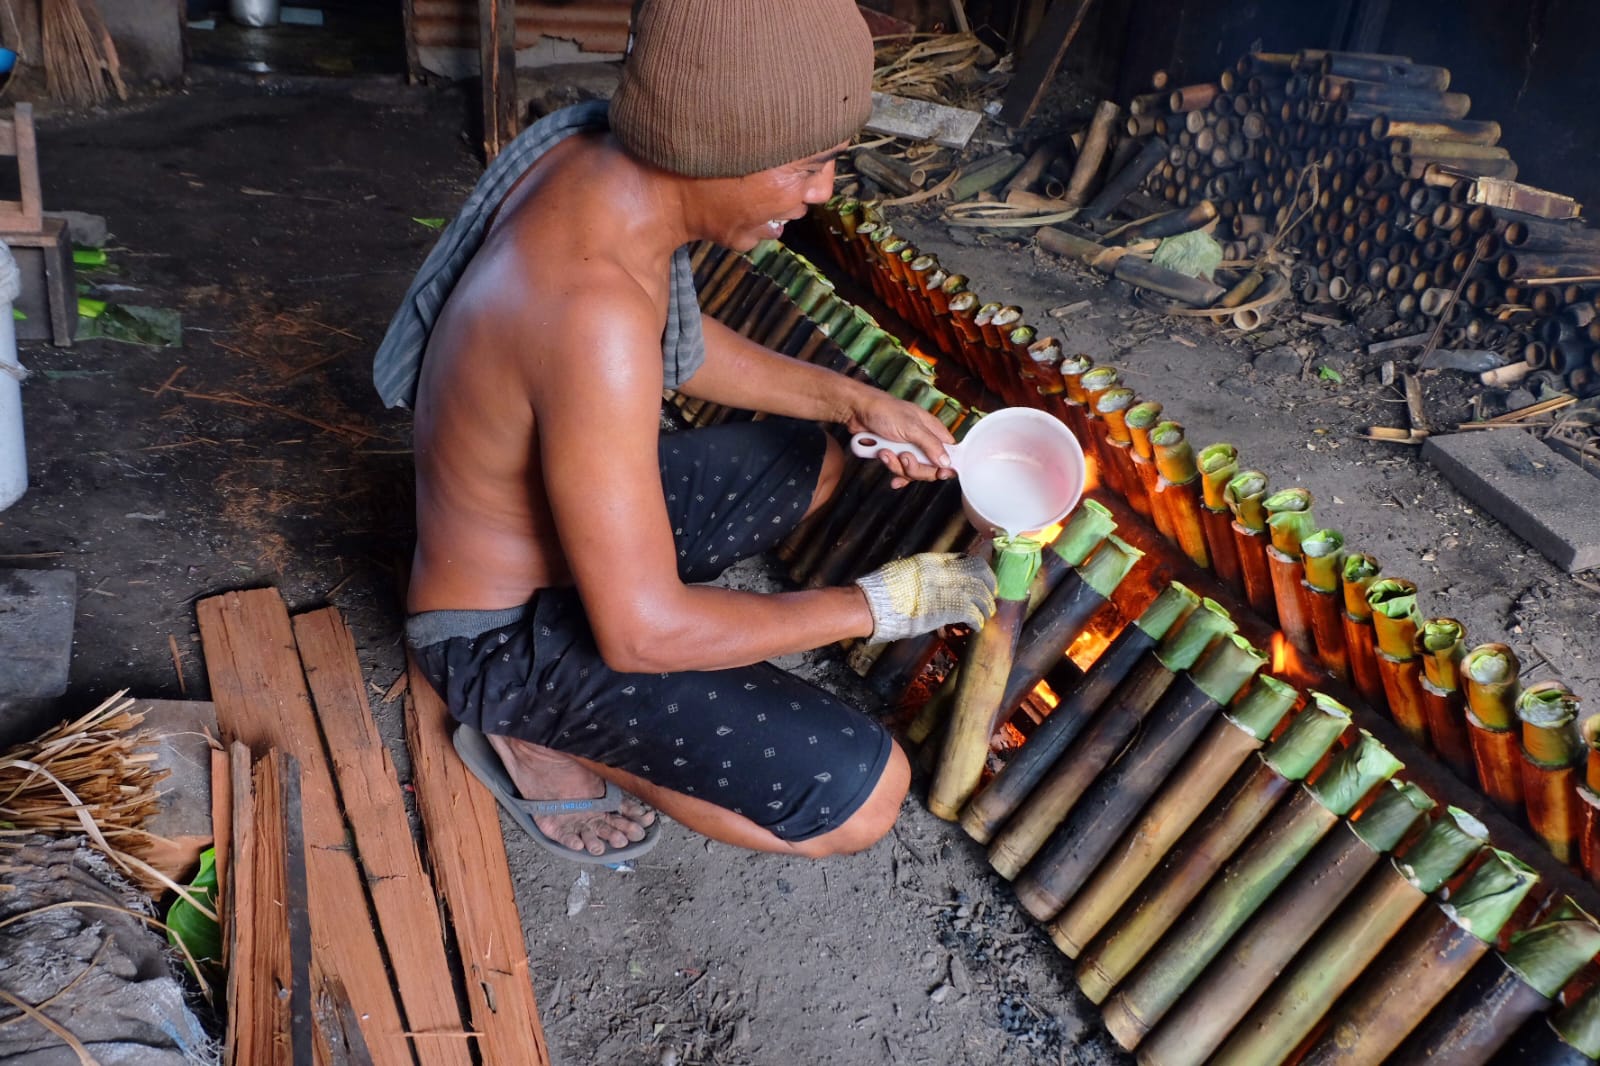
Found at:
<point>1021,470</point>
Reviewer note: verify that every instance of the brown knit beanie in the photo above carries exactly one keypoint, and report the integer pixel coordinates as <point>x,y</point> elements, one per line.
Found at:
<point>721,88</point>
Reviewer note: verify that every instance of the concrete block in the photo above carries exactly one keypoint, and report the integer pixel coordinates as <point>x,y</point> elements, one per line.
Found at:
<point>1544,497</point>
<point>178,731</point>
<point>83,229</point>
<point>37,610</point>
<point>149,38</point>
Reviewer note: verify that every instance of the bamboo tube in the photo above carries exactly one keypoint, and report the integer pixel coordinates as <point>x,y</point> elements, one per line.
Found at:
<point>1075,401</point>
<point>1112,407</point>
<point>1359,572</point>
<point>1114,799</point>
<point>1169,223</point>
<point>1289,520</point>
<point>1322,552</point>
<point>1467,131</point>
<point>1440,643</point>
<point>1551,754</point>
<point>1340,952</point>
<point>1571,1037</point>
<point>1179,487</point>
<point>1151,911</point>
<point>1085,530</point>
<point>1503,992</point>
<point>1492,685</point>
<point>1244,495</point>
<point>1096,382</point>
<point>977,707</point>
<point>1194,785</point>
<point>1098,745</point>
<point>1116,190</point>
<point>1092,154</point>
<point>1395,621</point>
<point>1218,464</point>
<point>1589,799</point>
<point>1387,69</point>
<point>990,808</point>
<point>1192,98</point>
<point>1429,956</point>
<point>1264,946</point>
<point>1227,902</point>
<point>1142,418</point>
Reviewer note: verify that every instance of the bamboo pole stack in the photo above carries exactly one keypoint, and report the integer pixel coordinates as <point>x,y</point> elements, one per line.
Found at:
<point>1369,168</point>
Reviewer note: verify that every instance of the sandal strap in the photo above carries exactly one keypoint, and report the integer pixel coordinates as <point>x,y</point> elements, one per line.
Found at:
<point>611,801</point>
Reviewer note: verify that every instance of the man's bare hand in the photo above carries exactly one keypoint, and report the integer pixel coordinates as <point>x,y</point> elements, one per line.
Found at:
<point>884,416</point>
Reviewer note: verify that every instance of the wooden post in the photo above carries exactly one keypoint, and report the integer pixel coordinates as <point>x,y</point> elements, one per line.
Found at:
<point>497,59</point>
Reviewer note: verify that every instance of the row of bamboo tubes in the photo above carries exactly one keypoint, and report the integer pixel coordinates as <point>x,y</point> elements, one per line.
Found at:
<point>1173,817</point>
<point>1366,166</point>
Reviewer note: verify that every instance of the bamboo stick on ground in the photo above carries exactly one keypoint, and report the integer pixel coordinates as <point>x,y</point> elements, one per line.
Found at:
<point>1114,799</point>
<point>978,696</point>
<point>1571,1037</point>
<point>1491,672</point>
<point>990,808</point>
<point>1254,958</point>
<point>1395,622</point>
<point>1322,553</point>
<point>1245,494</point>
<point>1179,488</point>
<point>1229,900</point>
<point>1015,845</point>
<point>1503,992</point>
<point>1244,728</point>
<point>1226,825</point>
<point>1218,464</point>
<point>1551,754</point>
<point>1340,952</point>
<point>1289,521</point>
<point>1429,956</point>
<point>1359,572</point>
<point>1441,646</point>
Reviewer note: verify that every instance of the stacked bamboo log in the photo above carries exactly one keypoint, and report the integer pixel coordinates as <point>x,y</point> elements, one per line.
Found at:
<point>1369,169</point>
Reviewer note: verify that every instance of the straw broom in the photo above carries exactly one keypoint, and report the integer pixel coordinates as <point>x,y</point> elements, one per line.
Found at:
<point>80,60</point>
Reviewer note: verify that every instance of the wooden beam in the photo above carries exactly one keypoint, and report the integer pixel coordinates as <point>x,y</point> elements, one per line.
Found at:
<point>1040,60</point>
<point>497,57</point>
<point>261,698</point>
<point>468,856</point>
<point>369,790</point>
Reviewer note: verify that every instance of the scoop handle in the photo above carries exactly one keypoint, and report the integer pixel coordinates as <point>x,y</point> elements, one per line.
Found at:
<point>868,445</point>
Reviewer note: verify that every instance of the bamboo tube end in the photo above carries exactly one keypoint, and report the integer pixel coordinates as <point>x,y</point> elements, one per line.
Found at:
<point>1065,941</point>
<point>976,825</point>
<point>1123,1023</point>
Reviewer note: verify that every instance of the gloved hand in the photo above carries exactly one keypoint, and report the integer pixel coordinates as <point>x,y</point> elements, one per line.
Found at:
<point>920,593</point>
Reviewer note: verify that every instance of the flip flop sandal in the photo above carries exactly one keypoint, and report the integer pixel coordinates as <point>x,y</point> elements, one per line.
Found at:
<point>485,764</point>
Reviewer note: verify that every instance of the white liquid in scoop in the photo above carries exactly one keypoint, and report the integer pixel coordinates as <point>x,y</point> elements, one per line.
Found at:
<point>1015,492</point>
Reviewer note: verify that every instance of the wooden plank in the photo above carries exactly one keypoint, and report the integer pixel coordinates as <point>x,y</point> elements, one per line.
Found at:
<point>261,698</point>
<point>238,919</point>
<point>402,892</point>
<point>222,835</point>
<point>497,57</point>
<point>468,856</point>
<point>260,1029</point>
<point>296,910</point>
<point>921,120</point>
<point>1042,58</point>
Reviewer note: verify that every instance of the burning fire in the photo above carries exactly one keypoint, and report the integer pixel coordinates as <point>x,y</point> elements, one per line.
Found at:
<point>1091,474</point>
<point>1280,653</point>
<point>922,353</point>
<point>1046,694</point>
<point>1087,647</point>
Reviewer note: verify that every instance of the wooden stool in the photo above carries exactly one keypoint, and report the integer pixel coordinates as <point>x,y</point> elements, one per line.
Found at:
<point>23,226</point>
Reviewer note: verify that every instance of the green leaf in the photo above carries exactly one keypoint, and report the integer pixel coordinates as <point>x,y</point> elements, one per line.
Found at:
<point>1327,373</point>
<point>1196,254</point>
<point>156,326</point>
<point>187,926</point>
<point>431,223</point>
<point>89,257</point>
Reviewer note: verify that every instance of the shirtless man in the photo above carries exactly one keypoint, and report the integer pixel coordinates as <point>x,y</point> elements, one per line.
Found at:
<point>556,598</point>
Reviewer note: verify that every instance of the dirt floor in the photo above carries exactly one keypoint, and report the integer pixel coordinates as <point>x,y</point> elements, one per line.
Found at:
<point>281,219</point>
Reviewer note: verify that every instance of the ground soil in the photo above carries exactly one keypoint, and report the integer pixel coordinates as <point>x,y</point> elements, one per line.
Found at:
<point>281,219</point>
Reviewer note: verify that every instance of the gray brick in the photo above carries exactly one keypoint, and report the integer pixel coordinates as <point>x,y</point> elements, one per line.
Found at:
<point>1543,496</point>
<point>37,609</point>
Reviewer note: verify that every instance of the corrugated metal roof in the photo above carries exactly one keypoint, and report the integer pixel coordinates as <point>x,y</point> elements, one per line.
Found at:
<point>595,25</point>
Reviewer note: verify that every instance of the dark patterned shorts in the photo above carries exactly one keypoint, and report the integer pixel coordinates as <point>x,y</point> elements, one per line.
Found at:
<point>756,740</point>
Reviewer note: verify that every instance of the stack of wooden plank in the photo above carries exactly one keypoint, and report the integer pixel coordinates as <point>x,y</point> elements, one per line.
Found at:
<point>339,951</point>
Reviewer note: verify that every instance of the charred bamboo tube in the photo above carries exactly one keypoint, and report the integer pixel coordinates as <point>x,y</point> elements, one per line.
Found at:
<point>1169,223</point>
<point>1440,644</point>
<point>1229,822</point>
<point>990,808</point>
<point>1589,799</point>
<point>1467,131</point>
<point>1244,494</point>
<point>1133,270</point>
<point>1111,803</point>
<point>1551,754</point>
<point>1491,672</point>
<point>1264,946</point>
<point>1339,953</point>
<point>1218,464</point>
<point>1179,488</point>
<point>981,689</point>
<point>1355,91</point>
<point>1503,992</point>
<point>1228,902</point>
<point>985,173</point>
<point>1289,520</point>
<point>1426,960</point>
<point>1193,98</point>
<point>1396,620</point>
<point>1359,572</point>
<point>1387,69</point>
<point>1322,554</point>
<point>1142,419</point>
<point>1195,784</point>
<point>1085,530</point>
<point>1021,838</point>
<point>1522,265</point>
<point>1569,1038</point>
<point>1116,190</point>
<point>1092,155</point>
<point>1112,408</point>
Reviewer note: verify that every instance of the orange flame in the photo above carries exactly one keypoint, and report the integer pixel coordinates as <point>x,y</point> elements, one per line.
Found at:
<point>1280,653</point>
<point>1087,647</point>
<point>1091,474</point>
<point>916,349</point>
<point>1046,694</point>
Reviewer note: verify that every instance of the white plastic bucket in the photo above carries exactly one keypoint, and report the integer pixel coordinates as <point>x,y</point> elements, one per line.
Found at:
<point>256,13</point>
<point>13,454</point>
<point>1021,470</point>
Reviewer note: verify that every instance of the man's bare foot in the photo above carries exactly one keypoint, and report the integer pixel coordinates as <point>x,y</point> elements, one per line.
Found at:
<point>542,774</point>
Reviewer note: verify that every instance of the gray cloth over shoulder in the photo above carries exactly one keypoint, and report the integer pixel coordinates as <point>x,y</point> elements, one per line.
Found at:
<point>398,362</point>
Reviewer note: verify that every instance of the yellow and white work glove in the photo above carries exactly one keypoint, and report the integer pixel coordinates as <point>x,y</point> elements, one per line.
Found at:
<point>920,593</point>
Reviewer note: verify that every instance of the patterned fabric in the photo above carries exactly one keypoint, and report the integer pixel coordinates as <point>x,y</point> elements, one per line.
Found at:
<point>755,740</point>
<point>398,361</point>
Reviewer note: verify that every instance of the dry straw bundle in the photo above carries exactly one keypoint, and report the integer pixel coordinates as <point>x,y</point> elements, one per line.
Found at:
<point>80,59</point>
<point>949,68</point>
